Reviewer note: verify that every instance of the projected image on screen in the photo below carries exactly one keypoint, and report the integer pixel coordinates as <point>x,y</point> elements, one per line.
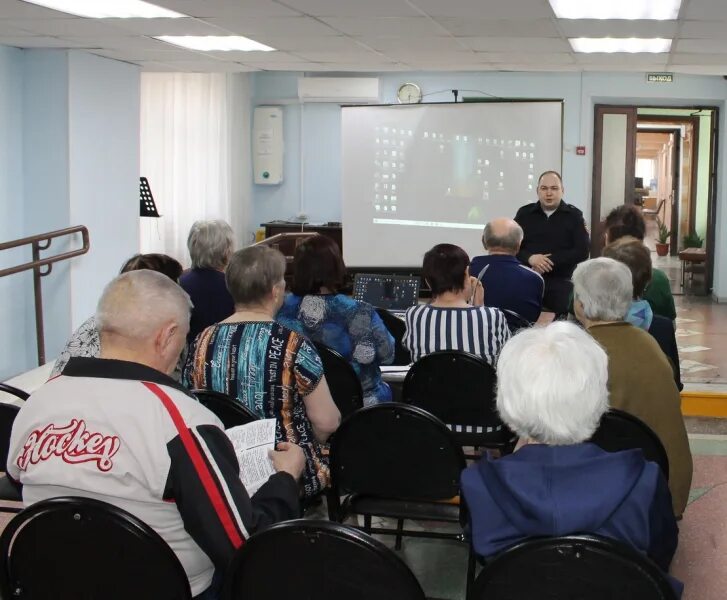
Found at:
<point>415,176</point>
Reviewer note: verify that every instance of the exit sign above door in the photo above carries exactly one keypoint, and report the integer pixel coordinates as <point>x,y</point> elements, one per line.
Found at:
<point>660,77</point>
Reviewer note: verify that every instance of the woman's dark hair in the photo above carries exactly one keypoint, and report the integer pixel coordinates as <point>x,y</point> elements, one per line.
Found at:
<point>625,220</point>
<point>160,263</point>
<point>632,252</point>
<point>317,263</point>
<point>444,268</point>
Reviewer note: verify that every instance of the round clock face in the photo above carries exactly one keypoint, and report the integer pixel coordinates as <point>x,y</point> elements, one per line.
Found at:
<point>409,93</point>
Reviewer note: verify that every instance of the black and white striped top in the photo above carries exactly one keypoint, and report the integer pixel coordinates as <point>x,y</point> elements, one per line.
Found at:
<point>479,330</point>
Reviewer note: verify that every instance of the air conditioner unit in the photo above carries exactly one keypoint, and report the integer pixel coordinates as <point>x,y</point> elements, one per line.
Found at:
<point>339,90</point>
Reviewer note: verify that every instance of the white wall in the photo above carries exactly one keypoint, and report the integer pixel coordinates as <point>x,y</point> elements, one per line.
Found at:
<point>14,353</point>
<point>69,153</point>
<point>320,199</point>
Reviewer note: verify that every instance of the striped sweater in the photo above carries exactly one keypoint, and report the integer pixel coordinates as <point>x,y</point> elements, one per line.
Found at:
<point>479,330</point>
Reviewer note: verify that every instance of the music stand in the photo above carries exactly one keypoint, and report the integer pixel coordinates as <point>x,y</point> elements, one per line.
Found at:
<point>147,206</point>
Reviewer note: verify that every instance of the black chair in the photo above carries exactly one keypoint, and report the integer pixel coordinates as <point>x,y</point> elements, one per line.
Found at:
<point>342,380</point>
<point>17,392</point>
<point>618,430</point>
<point>515,321</point>
<point>331,561</point>
<point>575,566</point>
<point>85,549</point>
<point>227,409</point>
<point>8,490</point>
<point>397,328</point>
<point>459,389</point>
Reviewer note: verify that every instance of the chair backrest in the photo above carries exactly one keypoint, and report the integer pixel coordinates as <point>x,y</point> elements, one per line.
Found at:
<point>17,392</point>
<point>397,328</point>
<point>456,387</point>
<point>342,380</point>
<point>83,548</point>
<point>8,412</point>
<point>515,321</point>
<point>394,450</point>
<point>227,409</point>
<point>618,430</point>
<point>330,562</point>
<point>575,566</point>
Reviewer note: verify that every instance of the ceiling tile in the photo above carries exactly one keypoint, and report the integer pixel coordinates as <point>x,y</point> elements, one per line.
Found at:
<point>206,66</point>
<point>10,29</point>
<point>261,57</point>
<point>716,70</point>
<point>283,66</point>
<point>499,27</point>
<point>372,67</point>
<point>63,27</point>
<point>619,60</point>
<point>429,44</point>
<point>280,26</point>
<point>512,9</point>
<point>441,60</point>
<point>703,29</point>
<point>348,57</point>
<point>229,8</point>
<point>714,46</point>
<point>704,10</point>
<point>679,58</point>
<point>386,26</point>
<point>311,43</point>
<point>135,55</point>
<point>186,26</point>
<point>617,28</point>
<point>490,44</point>
<point>15,9</point>
<point>121,42</point>
<point>39,41</point>
<point>354,8</point>
<point>543,58</point>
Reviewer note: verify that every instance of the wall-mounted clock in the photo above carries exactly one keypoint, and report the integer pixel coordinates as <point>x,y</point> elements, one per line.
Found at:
<point>409,93</point>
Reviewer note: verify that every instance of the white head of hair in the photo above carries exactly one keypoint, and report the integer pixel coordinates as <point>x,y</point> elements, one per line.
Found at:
<point>210,244</point>
<point>604,287</point>
<point>135,305</point>
<point>551,384</point>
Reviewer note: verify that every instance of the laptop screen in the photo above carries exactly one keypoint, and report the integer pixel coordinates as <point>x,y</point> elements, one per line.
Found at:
<point>392,292</point>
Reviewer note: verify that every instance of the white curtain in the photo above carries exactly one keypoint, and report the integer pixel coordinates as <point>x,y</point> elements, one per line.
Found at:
<point>187,148</point>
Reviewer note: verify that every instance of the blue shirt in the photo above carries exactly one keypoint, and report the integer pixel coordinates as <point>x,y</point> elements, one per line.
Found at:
<point>509,285</point>
<point>351,328</point>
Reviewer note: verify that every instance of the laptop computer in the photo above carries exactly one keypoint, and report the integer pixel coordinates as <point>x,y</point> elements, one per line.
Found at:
<point>395,293</point>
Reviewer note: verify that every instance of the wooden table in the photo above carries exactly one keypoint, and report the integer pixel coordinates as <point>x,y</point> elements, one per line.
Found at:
<point>692,259</point>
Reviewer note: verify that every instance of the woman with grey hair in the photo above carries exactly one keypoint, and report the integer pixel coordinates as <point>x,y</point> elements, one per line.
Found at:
<point>552,391</point>
<point>271,369</point>
<point>640,377</point>
<point>210,245</point>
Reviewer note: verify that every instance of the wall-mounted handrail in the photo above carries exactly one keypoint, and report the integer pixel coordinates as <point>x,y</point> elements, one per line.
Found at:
<point>42,242</point>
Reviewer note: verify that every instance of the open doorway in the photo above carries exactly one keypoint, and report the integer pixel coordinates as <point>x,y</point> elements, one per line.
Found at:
<point>662,160</point>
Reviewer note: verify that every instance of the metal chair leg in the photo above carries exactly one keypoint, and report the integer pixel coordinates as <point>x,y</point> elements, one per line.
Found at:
<point>399,530</point>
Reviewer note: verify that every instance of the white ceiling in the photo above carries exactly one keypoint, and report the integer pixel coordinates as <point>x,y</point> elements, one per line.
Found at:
<point>377,35</point>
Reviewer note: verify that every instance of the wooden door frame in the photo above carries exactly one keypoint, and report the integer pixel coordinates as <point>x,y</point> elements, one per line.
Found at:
<point>630,167</point>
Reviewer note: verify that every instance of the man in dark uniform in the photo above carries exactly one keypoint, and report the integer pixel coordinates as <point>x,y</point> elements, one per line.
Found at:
<point>556,240</point>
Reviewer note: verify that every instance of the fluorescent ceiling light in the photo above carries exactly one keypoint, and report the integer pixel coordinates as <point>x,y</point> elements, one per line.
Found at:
<point>631,45</point>
<point>657,10</point>
<point>215,42</point>
<point>106,9</point>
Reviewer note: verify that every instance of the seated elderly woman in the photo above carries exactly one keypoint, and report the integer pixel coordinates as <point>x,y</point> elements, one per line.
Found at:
<point>274,371</point>
<point>85,340</point>
<point>351,328</point>
<point>210,245</point>
<point>552,392</point>
<point>627,220</point>
<point>637,258</point>
<point>640,377</point>
<point>455,319</point>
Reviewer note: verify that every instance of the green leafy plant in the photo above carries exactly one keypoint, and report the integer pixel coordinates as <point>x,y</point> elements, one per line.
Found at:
<point>664,233</point>
<point>692,240</point>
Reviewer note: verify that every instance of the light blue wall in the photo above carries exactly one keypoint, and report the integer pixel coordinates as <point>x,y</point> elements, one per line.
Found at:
<point>319,178</point>
<point>14,353</point>
<point>69,155</point>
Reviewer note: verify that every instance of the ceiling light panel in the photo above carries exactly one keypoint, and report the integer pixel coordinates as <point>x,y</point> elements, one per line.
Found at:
<point>629,45</point>
<point>106,9</point>
<point>657,10</point>
<point>220,43</point>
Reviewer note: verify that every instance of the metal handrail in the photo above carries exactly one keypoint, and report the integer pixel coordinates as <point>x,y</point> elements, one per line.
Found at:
<point>40,242</point>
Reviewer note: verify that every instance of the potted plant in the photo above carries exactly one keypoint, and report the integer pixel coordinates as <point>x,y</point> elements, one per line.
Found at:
<point>692,240</point>
<point>662,238</point>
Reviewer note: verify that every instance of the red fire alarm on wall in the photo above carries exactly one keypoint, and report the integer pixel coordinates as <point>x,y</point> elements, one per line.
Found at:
<point>581,150</point>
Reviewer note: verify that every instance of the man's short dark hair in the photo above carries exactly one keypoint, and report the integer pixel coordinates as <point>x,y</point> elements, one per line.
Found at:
<point>632,252</point>
<point>444,268</point>
<point>544,173</point>
<point>625,220</point>
<point>317,263</point>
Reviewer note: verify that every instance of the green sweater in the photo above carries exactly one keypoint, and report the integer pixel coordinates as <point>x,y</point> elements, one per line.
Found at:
<point>658,295</point>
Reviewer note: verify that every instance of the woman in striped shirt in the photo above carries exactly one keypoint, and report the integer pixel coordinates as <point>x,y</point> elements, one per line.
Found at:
<point>456,318</point>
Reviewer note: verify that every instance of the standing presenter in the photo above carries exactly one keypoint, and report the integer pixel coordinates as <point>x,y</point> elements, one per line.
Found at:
<point>555,240</point>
